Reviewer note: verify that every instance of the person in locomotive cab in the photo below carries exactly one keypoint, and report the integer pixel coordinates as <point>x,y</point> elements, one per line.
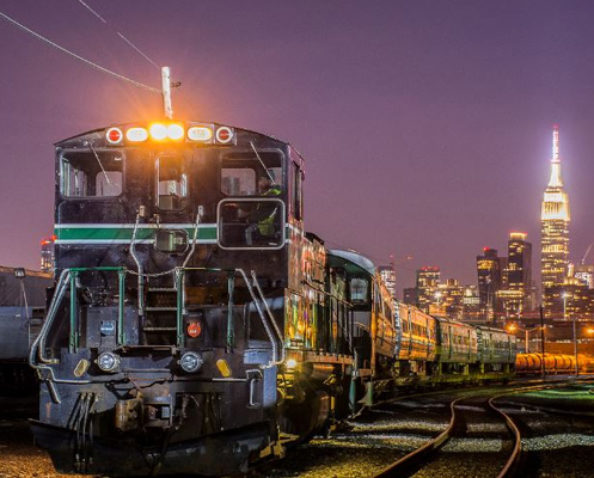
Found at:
<point>263,217</point>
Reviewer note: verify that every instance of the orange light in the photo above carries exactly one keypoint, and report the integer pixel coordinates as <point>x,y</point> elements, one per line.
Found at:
<point>511,328</point>
<point>194,329</point>
<point>158,131</point>
<point>590,330</point>
<point>137,135</point>
<point>175,131</point>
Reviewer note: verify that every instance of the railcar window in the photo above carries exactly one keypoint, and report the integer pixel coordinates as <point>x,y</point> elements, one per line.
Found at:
<point>358,289</point>
<point>243,174</point>
<point>91,174</point>
<point>172,182</point>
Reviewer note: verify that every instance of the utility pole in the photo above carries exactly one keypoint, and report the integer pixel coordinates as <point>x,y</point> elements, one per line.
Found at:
<point>542,341</point>
<point>166,91</point>
<point>575,347</point>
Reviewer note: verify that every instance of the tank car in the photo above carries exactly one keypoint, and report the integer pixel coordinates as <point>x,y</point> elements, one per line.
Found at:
<point>193,327</point>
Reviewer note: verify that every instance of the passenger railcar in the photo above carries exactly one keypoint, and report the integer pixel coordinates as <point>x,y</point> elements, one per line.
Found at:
<point>417,345</point>
<point>496,350</point>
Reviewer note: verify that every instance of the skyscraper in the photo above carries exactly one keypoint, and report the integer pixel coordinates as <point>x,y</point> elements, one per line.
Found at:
<point>427,282</point>
<point>489,281</point>
<point>388,275</point>
<point>517,297</point>
<point>555,219</point>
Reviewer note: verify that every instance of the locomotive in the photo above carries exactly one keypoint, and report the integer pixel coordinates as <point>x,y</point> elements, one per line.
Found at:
<point>195,326</point>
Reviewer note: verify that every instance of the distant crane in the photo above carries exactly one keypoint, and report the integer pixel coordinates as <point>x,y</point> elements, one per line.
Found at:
<point>586,254</point>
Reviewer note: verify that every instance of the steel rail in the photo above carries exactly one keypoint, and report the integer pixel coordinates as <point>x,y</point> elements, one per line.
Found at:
<point>514,458</point>
<point>412,459</point>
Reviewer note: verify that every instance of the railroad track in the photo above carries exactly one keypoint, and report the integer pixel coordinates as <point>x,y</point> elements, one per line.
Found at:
<point>429,452</point>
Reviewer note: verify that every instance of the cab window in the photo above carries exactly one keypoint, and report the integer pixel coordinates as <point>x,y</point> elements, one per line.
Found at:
<point>91,174</point>
<point>358,289</point>
<point>248,174</point>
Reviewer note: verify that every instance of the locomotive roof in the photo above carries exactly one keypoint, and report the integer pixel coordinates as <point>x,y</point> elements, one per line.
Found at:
<point>453,321</point>
<point>358,259</point>
<point>10,271</point>
<point>98,133</point>
<point>491,329</point>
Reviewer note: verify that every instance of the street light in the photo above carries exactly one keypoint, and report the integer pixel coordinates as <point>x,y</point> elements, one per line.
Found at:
<point>513,327</point>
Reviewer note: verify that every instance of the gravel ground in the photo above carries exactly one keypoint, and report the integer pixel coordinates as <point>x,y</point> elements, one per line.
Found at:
<point>19,457</point>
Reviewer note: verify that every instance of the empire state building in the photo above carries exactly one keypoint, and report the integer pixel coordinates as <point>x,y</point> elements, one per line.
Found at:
<point>554,230</point>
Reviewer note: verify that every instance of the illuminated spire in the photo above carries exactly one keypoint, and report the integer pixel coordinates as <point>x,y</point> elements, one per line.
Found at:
<point>555,218</point>
<point>555,181</point>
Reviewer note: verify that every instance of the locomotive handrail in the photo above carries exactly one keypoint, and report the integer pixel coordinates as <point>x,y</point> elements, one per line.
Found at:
<point>68,278</point>
<point>138,266</point>
<point>270,316</point>
<point>38,346</point>
<point>274,360</point>
<point>256,301</point>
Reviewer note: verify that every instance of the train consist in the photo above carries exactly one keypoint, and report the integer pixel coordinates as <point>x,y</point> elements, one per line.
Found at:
<point>195,327</point>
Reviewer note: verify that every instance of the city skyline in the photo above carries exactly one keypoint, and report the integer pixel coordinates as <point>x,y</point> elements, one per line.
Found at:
<point>440,172</point>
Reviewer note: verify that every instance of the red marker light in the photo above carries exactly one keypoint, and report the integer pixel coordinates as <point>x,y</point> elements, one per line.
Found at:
<point>224,134</point>
<point>194,329</point>
<point>114,135</point>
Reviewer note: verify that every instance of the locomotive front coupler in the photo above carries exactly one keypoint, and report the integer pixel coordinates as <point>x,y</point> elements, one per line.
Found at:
<point>150,407</point>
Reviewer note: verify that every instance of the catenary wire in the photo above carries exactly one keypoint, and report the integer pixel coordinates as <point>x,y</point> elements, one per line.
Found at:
<point>120,34</point>
<point>78,57</point>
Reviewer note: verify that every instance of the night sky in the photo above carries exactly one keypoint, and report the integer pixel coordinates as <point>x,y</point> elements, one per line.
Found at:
<point>426,125</point>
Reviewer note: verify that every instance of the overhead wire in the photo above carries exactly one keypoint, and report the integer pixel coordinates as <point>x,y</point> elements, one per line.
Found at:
<point>120,34</point>
<point>78,57</point>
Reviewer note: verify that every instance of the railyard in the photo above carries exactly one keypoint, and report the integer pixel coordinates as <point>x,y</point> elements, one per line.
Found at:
<point>448,433</point>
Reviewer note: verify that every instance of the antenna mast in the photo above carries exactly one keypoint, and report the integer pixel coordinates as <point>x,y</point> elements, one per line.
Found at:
<point>166,91</point>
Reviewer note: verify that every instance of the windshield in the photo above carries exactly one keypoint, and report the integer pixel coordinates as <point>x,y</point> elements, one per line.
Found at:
<point>92,173</point>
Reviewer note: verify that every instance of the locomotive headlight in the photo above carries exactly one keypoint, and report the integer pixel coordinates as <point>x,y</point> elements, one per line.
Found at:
<point>175,132</point>
<point>291,364</point>
<point>108,361</point>
<point>158,131</point>
<point>191,362</point>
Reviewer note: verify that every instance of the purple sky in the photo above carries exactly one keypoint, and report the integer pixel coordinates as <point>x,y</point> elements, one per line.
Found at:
<point>426,125</point>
